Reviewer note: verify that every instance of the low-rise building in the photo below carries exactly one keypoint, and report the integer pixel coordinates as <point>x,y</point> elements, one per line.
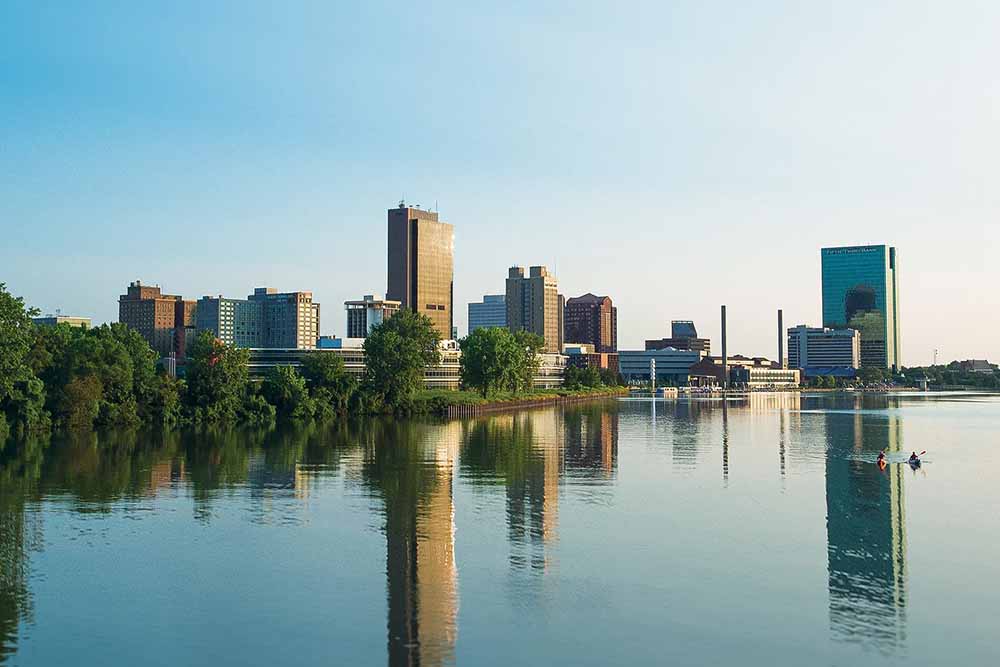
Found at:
<point>444,375</point>
<point>670,365</point>
<point>763,377</point>
<point>52,320</point>
<point>976,366</point>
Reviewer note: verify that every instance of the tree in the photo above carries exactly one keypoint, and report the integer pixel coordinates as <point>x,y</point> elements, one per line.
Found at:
<point>492,360</point>
<point>216,378</point>
<point>330,385</point>
<point>610,378</point>
<point>579,378</point>
<point>530,345</point>
<point>22,395</point>
<point>286,390</point>
<point>397,351</point>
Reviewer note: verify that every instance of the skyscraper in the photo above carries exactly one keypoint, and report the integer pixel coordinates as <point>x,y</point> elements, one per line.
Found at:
<point>534,304</point>
<point>860,291</point>
<point>421,265</point>
<point>593,320</point>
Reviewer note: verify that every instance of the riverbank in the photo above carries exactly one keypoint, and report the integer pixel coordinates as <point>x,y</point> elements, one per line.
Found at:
<point>449,403</point>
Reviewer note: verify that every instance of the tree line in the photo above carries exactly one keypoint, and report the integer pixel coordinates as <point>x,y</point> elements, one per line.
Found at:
<point>109,376</point>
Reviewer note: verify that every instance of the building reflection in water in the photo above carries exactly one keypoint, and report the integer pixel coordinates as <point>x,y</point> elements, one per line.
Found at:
<point>529,453</point>
<point>411,466</point>
<point>866,535</point>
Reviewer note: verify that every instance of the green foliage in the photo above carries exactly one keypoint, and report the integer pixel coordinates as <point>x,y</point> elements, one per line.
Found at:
<point>610,378</point>
<point>22,395</point>
<point>491,361</point>
<point>331,386</point>
<point>577,378</point>
<point>397,351</point>
<point>531,346</point>
<point>870,375</point>
<point>217,379</point>
<point>286,390</point>
<point>165,401</point>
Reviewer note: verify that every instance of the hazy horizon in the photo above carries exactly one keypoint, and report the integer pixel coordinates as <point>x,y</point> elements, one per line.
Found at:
<point>672,157</point>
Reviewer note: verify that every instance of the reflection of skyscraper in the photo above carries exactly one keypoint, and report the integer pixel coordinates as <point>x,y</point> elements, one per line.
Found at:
<point>866,540</point>
<point>412,468</point>
<point>860,292</point>
<point>591,440</point>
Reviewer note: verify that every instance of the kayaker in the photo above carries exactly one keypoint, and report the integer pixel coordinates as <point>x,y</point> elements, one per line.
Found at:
<point>914,458</point>
<point>881,457</point>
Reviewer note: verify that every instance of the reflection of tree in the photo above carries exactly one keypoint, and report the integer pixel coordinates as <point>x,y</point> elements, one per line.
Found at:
<point>505,449</point>
<point>20,469</point>
<point>409,465</point>
<point>865,532</point>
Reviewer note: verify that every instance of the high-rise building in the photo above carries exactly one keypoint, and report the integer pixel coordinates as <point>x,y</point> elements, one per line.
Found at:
<point>860,291</point>
<point>265,319</point>
<point>290,319</point>
<point>153,314</point>
<point>534,304</point>
<point>236,322</point>
<point>421,265</point>
<point>683,336</point>
<point>364,314</point>
<point>830,348</point>
<point>490,312</point>
<point>593,320</point>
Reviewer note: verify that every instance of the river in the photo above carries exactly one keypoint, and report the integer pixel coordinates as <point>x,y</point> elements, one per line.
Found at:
<point>751,531</point>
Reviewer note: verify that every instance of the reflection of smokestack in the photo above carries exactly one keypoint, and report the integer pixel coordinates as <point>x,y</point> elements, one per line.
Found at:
<point>781,341</point>
<point>725,359</point>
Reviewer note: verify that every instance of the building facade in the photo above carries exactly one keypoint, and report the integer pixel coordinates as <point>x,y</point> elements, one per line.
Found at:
<point>860,291</point>
<point>421,265</point>
<point>763,377</point>
<point>444,375</point>
<point>683,336</point>
<point>490,312</point>
<point>593,320</point>
<point>368,312</point>
<point>236,322</point>
<point>150,312</point>
<point>534,304</point>
<point>834,348</point>
<point>672,367</point>
<point>290,319</point>
<point>52,320</point>
<point>265,319</point>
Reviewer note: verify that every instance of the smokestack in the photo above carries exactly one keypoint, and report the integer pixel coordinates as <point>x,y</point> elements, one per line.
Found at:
<point>781,341</point>
<point>725,359</point>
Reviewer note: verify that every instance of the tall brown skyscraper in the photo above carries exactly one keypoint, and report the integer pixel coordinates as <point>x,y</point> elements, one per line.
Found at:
<point>421,265</point>
<point>534,304</point>
<point>592,319</point>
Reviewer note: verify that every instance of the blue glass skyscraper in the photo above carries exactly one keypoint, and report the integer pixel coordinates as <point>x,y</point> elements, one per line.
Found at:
<point>860,292</point>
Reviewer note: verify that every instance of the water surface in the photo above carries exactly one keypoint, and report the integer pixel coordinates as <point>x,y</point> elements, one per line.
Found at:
<point>756,531</point>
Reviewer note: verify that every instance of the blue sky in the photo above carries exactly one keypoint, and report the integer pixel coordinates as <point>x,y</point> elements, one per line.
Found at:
<point>675,156</point>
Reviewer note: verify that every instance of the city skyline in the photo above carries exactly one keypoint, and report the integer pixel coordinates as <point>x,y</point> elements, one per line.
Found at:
<point>265,143</point>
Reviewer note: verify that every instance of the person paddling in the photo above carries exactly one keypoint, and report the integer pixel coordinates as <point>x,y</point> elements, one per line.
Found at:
<point>914,459</point>
<point>881,460</point>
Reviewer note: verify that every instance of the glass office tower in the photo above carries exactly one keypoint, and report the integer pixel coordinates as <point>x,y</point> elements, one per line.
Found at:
<point>860,292</point>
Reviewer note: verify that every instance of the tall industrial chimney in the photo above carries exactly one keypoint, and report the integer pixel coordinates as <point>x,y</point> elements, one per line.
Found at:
<point>781,341</point>
<point>725,359</point>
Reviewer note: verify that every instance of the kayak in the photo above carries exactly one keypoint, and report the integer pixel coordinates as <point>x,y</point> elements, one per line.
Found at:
<point>914,463</point>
